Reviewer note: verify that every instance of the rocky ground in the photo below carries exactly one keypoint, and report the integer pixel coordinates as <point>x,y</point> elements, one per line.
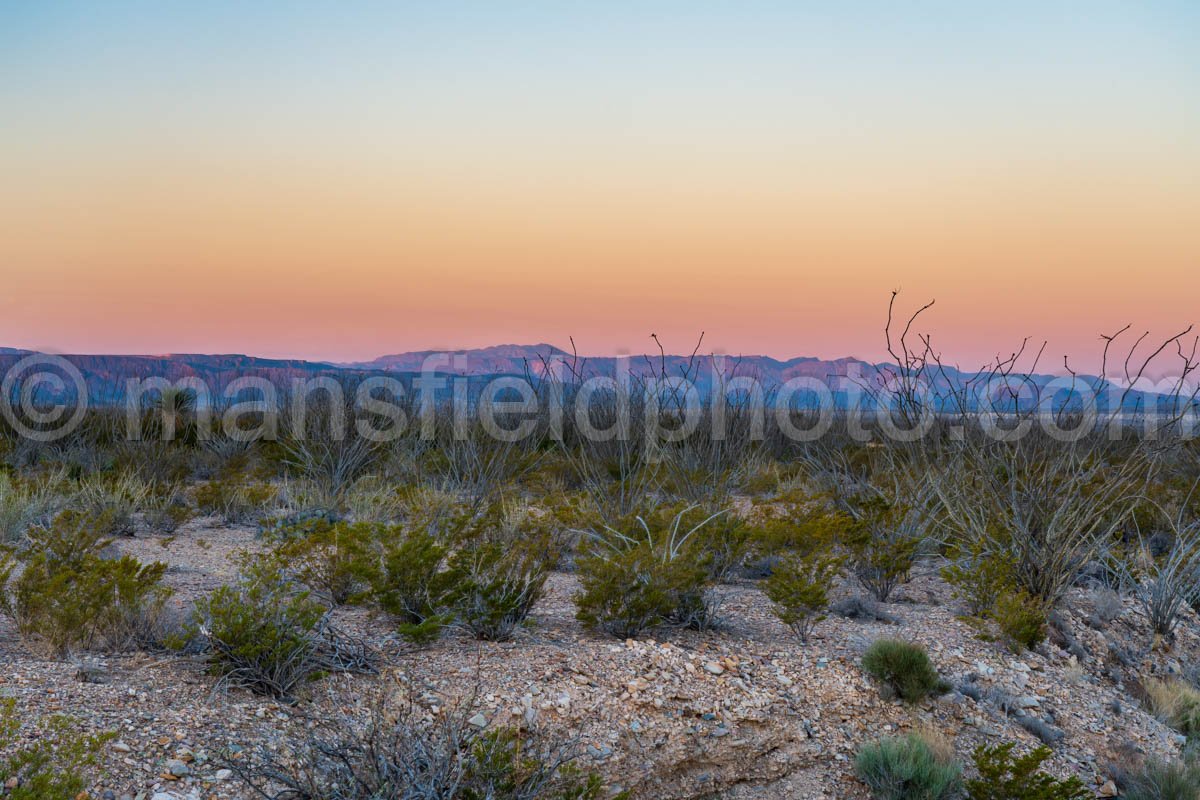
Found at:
<point>740,712</point>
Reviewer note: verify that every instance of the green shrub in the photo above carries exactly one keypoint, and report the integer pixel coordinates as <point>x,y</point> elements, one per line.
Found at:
<point>726,541</point>
<point>498,583</point>
<point>627,592</point>
<point>50,766</point>
<point>654,576</point>
<point>1002,777</point>
<point>413,583</point>
<point>775,530</point>
<point>906,768</point>
<point>903,669</point>
<point>979,578</point>
<point>1162,780</point>
<point>799,589</point>
<point>882,549</point>
<point>262,633</point>
<point>167,509</point>
<point>334,559</point>
<point>69,596</point>
<point>233,501</point>
<point>1021,619</point>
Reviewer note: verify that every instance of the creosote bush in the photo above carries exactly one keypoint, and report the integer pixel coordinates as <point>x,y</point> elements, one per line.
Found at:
<point>448,564</point>
<point>655,575</point>
<point>333,559</point>
<point>799,589</point>
<point>54,765</point>
<point>413,583</point>
<point>263,633</point>
<point>907,768</point>
<point>498,583</point>
<point>903,670</point>
<point>979,578</point>
<point>1003,777</point>
<point>776,530</point>
<point>69,596</point>
<point>881,545</point>
<point>1021,619</point>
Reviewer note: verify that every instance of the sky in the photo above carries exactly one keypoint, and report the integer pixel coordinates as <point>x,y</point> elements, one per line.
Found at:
<point>342,180</point>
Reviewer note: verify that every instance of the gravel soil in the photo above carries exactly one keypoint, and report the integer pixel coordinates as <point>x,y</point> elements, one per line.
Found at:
<point>743,711</point>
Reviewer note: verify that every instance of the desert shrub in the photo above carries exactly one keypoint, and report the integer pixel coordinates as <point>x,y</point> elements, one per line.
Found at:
<point>1176,703</point>
<point>775,529</point>
<point>882,545</point>
<point>799,589</point>
<point>626,592</point>
<point>266,634</point>
<point>52,765</point>
<point>24,504</point>
<point>1002,777</point>
<point>498,583</point>
<point>906,768</point>
<point>979,578</point>
<point>334,559</point>
<point>726,540</point>
<point>390,751</point>
<point>1106,606</point>
<point>1052,505</point>
<point>373,500</point>
<point>903,669</point>
<point>1170,576</point>
<point>1164,780</point>
<point>69,596</point>
<point>413,584</point>
<point>113,498</point>
<point>482,568</point>
<point>652,576</point>
<point>1021,619</point>
<point>166,509</point>
<point>232,500</point>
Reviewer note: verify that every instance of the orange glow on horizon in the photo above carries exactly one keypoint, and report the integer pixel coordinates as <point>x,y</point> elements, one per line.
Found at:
<point>370,194</point>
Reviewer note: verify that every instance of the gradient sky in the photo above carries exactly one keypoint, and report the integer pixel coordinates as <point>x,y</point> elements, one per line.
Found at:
<point>339,181</point>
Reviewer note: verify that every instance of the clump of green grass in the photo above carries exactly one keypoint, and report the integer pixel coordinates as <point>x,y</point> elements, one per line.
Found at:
<point>903,670</point>
<point>907,768</point>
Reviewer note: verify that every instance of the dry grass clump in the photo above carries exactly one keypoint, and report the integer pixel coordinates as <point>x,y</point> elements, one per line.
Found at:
<point>1176,703</point>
